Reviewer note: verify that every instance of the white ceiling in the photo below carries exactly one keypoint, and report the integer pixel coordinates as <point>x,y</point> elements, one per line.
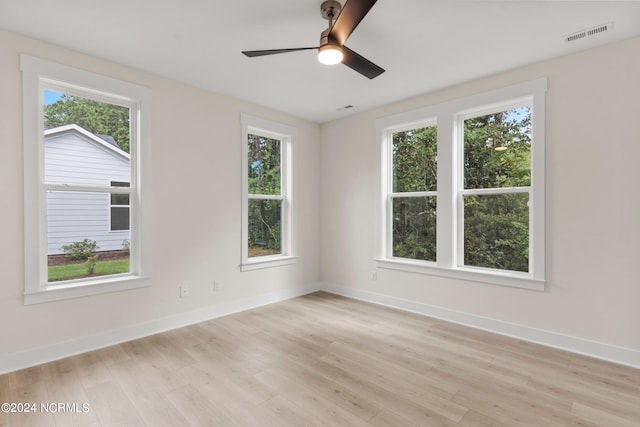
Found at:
<point>424,45</point>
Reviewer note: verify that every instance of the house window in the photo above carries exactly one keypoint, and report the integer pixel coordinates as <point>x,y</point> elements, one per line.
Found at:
<point>86,166</point>
<point>268,203</point>
<point>496,164</point>
<point>413,196</point>
<point>465,199</point>
<point>120,208</point>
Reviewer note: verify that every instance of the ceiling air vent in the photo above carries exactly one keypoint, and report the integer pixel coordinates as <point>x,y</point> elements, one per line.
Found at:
<point>589,32</point>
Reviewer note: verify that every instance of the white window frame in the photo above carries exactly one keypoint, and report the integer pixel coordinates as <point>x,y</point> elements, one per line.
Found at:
<point>287,135</point>
<point>390,194</point>
<point>38,75</point>
<point>449,116</point>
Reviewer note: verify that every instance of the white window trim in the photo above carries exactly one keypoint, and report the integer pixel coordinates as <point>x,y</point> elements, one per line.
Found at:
<point>36,75</point>
<point>288,136</point>
<point>448,115</point>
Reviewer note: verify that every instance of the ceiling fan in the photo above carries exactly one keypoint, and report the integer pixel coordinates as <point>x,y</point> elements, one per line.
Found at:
<point>342,22</point>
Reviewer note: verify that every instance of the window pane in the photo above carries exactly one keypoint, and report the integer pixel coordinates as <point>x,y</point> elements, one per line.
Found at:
<point>497,149</point>
<point>496,231</point>
<point>86,141</point>
<point>414,160</point>
<point>78,227</point>
<point>264,227</point>
<point>264,165</point>
<point>120,199</point>
<point>119,218</point>
<point>414,228</point>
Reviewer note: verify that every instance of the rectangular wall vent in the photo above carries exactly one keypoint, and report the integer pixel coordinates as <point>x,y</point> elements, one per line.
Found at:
<point>589,32</point>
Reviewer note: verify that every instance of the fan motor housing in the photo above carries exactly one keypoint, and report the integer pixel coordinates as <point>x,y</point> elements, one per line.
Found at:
<point>330,9</point>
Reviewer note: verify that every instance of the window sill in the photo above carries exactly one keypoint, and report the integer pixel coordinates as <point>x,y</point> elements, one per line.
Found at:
<point>512,279</point>
<point>82,288</point>
<point>267,262</point>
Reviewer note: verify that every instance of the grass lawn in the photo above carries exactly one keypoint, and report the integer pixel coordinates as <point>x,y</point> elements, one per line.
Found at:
<point>76,271</point>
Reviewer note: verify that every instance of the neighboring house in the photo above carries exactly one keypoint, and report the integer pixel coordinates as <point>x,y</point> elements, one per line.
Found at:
<point>74,155</point>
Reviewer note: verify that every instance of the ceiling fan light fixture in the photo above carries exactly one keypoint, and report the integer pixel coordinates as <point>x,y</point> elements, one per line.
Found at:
<point>329,54</point>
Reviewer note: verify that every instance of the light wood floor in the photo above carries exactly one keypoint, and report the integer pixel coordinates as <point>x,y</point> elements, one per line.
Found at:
<point>324,360</point>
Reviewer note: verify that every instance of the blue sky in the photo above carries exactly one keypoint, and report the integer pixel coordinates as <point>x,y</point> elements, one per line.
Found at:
<point>50,96</point>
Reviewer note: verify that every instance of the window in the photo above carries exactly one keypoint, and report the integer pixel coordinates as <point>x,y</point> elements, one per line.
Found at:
<point>463,188</point>
<point>496,165</point>
<point>268,204</point>
<point>413,194</point>
<point>86,152</point>
<point>120,208</point>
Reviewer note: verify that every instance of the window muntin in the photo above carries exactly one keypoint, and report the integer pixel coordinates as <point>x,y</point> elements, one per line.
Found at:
<point>268,202</point>
<point>46,82</point>
<point>508,193</point>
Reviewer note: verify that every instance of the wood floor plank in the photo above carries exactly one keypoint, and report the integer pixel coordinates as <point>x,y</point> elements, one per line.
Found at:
<point>112,406</point>
<point>336,393</point>
<point>603,417</point>
<point>68,399</point>
<point>91,368</point>
<point>392,404</point>
<point>197,409</point>
<point>326,360</point>
<point>316,405</point>
<point>285,413</point>
<point>34,393</point>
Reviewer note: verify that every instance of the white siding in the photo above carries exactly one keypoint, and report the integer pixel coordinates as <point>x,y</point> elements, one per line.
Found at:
<point>73,158</point>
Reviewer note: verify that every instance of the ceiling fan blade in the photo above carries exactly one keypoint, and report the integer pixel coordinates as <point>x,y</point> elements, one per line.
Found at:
<point>350,16</point>
<point>254,53</point>
<point>360,64</point>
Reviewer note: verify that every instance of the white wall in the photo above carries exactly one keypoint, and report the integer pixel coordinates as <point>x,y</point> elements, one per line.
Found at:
<point>593,211</point>
<point>196,156</point>
<point>593,208</point>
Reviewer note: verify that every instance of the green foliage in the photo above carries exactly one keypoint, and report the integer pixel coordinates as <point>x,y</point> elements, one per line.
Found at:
<point>414,228</point>
<point>80,250</point>
<point>496,231</point>
<point>414,160</point>
<point>265,226</point>
<point>497,150</point>
<point>264,165</point>
<point>96,117</point>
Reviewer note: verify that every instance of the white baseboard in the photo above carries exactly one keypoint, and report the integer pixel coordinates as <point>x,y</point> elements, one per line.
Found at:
<point>619,355</point>
<point>32,357</point>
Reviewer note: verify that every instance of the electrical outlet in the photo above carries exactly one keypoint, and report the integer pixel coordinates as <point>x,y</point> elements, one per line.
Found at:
<point>374,275</point>
<point>184,291</point>
<point>217,285</point>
